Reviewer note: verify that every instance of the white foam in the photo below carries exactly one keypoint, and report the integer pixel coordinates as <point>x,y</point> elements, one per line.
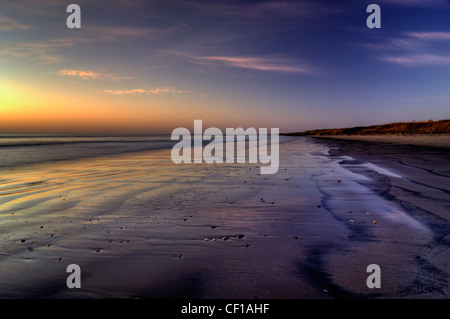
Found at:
<point>381,170</point>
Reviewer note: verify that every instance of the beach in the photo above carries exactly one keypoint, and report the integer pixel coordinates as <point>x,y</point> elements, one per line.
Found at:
<point>140,226</point>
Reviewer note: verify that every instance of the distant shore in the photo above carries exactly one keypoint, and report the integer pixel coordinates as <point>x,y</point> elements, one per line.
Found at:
<point>393,129</point>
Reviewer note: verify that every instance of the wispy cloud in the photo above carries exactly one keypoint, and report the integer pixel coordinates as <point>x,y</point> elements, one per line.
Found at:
<point>91,75</point>
<point>414,49</point>
<point>418,59</point>
<point>409,41</point>
<point>42,51</point>
<point>8,24</point>
<point>270,64</point>
<point>49,51</point>
<point>155,91</point>
<point>85,75</point>
<point>417,3</point>
<point>395,44</point>
<point>430,36</point>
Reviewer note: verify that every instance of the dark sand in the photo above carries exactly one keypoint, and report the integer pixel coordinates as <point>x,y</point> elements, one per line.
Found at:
<point>140,226</point>
<point>412,173</point>
<point>441,140</point>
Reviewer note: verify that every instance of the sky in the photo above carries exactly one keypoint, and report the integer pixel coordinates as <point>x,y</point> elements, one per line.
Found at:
<point>140,66</point>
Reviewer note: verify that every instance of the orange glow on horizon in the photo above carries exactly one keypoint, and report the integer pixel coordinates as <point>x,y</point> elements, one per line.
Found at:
<point>32,110</point>
<point>47,108</point>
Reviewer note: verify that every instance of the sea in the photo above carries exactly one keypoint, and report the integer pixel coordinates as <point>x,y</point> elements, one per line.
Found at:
<point>24,149</point>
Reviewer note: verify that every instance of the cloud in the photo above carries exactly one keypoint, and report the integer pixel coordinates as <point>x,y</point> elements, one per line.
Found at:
<point>156,91</point>
<point>8,24</point>
<point>399,44</point>
<point>41,51</point>
<point>430,36</point>
<point>411,41</point>
<point>418,59</point>
<point>270,64</point>
<point>417,3</point>
<point>91,75</point>
<point>48,51</point>
<point>422,48</point>
<point>85,75</point>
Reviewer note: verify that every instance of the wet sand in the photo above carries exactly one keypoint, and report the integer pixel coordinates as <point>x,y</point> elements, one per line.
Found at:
<point>140,226</point>
<point>441,140</point>
<point>411,173</point>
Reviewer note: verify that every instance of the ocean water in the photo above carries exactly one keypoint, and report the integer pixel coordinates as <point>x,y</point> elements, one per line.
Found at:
<point>23,149</point>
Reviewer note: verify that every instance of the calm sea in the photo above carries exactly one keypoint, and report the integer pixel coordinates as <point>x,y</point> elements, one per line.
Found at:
<point>23,149</point>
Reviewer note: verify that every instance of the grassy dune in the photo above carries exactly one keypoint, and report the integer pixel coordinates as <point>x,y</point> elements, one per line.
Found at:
<point>400,128</point>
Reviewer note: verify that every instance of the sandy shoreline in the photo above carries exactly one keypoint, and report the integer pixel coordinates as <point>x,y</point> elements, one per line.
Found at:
<point>140,226</point>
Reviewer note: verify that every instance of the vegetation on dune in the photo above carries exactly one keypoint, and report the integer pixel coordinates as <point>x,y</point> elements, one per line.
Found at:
<point>401,128</point>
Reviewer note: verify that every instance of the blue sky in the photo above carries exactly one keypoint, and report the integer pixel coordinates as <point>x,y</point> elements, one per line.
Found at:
<point>156,65</point>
